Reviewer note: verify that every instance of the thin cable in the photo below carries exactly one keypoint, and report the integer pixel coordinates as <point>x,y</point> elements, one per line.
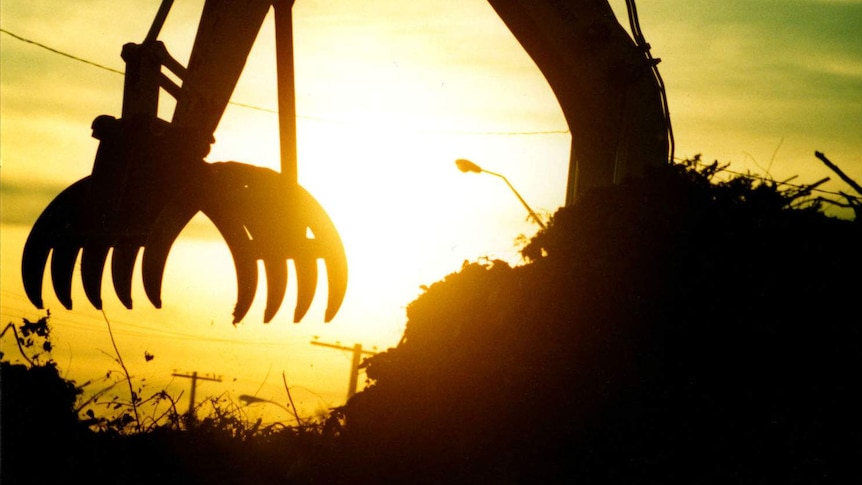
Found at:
<point>272,111</point>
<point>65,54</point>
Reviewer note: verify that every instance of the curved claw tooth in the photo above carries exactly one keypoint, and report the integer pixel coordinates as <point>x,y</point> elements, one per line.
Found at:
<point>35,257</point>
<point>301,211</point>
<point>62,265</point>
<point>306,282</point>
<point>332,252</point>
<point>33,262</point>
<point>336,280</point>
<point>276,285</point>
<point>171,222</point>
<point>246,278</point>
<point>238,242</point>
<point>330,248</point>
<point>276,281</point>
<point>49,228</point>
<point>225,207</point>
<point>122,266</point>
<point>244,260</point>
<point>165,231</point>
<point>93,259</point>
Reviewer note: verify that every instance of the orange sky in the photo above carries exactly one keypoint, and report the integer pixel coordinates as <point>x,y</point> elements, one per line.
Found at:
<point>389,94</point>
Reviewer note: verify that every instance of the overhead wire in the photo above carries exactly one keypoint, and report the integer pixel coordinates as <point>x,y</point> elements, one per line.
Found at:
<point>57,51</point>
<point>637,34</point>
<point>273,111</point>
<point>78,321</point>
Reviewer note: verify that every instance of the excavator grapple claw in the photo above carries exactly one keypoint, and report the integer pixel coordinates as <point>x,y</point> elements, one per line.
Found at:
<point>258,215</point>
<point>149,179</point>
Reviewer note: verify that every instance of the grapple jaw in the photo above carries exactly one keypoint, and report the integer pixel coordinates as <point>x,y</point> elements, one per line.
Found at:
<point>260,218</point>
<point>122,208</point>
<point>141,162</point>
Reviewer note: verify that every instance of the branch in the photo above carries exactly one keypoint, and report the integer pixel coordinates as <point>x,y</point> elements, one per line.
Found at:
<point>18,342</point>
<point>289,398</point>
<point>840,173</point>
<point>132,394</point>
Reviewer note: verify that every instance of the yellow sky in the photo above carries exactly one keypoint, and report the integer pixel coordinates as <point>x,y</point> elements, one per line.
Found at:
<point>389,94</point>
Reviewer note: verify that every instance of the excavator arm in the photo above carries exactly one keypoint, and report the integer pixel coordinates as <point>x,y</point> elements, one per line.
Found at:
<point>150,178</point>
<point>606,83</point>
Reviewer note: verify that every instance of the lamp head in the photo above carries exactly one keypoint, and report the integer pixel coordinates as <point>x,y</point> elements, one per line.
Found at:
<point>465,166</point>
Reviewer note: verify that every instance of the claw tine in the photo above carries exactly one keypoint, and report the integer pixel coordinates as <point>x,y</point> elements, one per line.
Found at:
<point>306,282</point>
<point>244,261</point>
<point>332,252</point>
<point>331,249</point>
<point>167,228</point>
<point>122,267</point>
<point>223,177</point>
<point>336,279</point>
<point>276,285</point>
<point>245,265</point>
<point>62,265</point>
<point>246,282</point>
<point>33,264</point>
<point>93,259</point>
<point>51,226</point>
<point>33,261</point>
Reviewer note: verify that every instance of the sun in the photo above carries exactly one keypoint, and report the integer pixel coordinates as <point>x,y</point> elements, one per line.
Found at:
<point>376,144</point>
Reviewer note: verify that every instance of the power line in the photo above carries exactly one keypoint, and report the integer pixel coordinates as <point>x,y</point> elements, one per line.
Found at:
<point>79,321</point>
<point>451,132</point>
<point>272,111</point>
<point>56,51</point>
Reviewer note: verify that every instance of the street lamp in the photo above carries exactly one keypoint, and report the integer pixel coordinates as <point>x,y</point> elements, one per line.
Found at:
<point>468,166</point>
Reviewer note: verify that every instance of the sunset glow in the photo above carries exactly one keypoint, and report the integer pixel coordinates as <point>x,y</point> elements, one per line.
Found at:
<point>389,95</point>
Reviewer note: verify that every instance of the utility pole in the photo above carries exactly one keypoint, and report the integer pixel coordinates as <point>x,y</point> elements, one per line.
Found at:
<point>194,377</point>
<point>354,368</point>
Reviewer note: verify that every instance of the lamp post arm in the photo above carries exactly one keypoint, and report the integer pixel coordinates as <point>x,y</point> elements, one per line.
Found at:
<point>524,202</point>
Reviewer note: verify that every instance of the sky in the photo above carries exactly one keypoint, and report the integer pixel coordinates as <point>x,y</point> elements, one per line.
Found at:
<point>389,94</point>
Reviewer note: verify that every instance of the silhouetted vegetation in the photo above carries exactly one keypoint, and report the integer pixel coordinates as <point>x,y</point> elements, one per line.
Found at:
<point>670,329</point>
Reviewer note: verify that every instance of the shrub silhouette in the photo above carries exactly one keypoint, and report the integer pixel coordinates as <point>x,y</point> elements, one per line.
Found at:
<point>38,420</point>
<point>43,441</point>
<point>666,329</point>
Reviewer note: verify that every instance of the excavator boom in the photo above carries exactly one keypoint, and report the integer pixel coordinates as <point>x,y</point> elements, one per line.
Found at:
<point>605,82</point>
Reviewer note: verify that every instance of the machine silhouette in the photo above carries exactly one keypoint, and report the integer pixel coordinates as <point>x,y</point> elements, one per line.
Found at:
<point>150,178</point>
